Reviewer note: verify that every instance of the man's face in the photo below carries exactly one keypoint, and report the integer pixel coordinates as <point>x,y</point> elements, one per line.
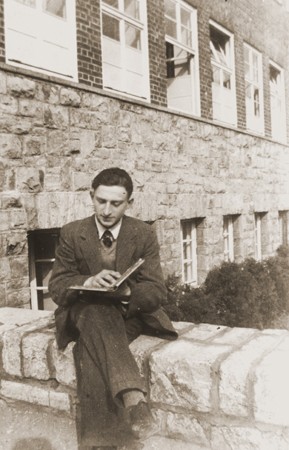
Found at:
<point>110,204</point>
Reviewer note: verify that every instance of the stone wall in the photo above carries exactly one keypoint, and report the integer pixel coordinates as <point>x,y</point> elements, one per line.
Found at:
<point>54,137</point>
<point>214,388</point>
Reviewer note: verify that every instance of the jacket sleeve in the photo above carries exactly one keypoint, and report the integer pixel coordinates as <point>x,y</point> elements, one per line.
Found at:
<point>148,290</point>
<point>65,271</point>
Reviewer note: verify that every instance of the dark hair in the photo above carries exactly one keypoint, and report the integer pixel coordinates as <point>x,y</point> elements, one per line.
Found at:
<point>113,177</point>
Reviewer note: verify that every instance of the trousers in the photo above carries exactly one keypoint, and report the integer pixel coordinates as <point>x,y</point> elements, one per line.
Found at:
<point>105,367</point>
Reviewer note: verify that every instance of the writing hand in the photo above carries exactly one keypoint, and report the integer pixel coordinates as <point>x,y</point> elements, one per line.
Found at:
<point>105,278</point>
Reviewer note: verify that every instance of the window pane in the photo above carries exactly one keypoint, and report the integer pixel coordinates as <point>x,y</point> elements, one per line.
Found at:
<point>226,80</point>
<point>248,90</point>
<point>256,103</point>
<point>55,7</point>
<point>110,27</point>
<point>185,18</point>
<point>187,250</point>
<point>186,37</point>
<point>132,36</point>
<point>216,73</point>
<point>170,9</point>
<point>171,28</point>
<point>113,3</point>
<point>187,272</point>
<point>255,68</point>
<point>27,2</point>
<point>131,8</point>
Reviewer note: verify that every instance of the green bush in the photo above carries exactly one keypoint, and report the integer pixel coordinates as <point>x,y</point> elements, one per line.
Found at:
<point>250,294</point>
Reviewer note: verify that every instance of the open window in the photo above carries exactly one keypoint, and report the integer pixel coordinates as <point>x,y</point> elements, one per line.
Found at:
<point>277,102</point>
<point>124,47</point>
<point>41,35</point>
<point>231,236</point>
<point>41,245</point>
<point>223,74</point>
<point>182,57</point>
<point>254,89</point>
<point>192,241</point>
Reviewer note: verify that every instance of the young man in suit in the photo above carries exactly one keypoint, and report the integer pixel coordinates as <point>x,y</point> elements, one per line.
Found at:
<point>92,253</point>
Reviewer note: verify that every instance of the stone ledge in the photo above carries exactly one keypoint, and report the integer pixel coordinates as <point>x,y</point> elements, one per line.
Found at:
<point>215,387</point>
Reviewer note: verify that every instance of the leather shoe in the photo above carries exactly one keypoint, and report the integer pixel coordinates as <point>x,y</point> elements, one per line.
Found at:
<point>141,419</point>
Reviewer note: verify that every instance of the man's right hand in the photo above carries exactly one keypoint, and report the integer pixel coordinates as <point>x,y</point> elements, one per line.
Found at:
<point>105,278</point>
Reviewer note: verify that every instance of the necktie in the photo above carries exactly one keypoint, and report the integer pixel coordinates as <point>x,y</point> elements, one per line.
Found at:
<point>107,238</point>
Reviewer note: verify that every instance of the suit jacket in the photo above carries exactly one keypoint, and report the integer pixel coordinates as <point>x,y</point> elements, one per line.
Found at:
<point>78,257</point>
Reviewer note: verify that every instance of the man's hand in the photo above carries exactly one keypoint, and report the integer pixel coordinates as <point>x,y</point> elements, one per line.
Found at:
<point>105,278</point>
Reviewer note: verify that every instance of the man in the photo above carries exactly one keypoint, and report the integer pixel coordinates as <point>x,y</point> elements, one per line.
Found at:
<point>93,253</point>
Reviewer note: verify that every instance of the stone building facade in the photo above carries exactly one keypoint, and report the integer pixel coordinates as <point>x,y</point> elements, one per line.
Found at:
<point>190,97</point>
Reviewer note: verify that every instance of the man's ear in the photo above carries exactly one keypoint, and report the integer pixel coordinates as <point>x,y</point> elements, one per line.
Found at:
<point>91,193</point>
<point>130,201</point>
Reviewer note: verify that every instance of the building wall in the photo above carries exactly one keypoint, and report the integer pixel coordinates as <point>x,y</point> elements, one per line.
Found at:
<point>55,135</point>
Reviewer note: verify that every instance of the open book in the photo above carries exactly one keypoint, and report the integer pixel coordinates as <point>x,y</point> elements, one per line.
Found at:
<point>113,287</point>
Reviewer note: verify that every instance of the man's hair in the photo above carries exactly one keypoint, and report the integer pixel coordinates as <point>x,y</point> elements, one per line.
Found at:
<point>113,177</point>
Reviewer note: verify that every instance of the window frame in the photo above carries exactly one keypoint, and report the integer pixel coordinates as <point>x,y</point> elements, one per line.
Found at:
<point>192,54</point>
<point>278,133</point>
<point>141,24</point>
<point>228,238</point>
<point>192,261</point>
<point>283,227</point>
<point>254,123</point>
<point>229,68</point>
<point>259,225</point>
<point>43,19</point>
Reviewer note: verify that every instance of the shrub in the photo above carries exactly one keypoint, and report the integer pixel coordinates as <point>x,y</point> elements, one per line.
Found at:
<point>250,294</point>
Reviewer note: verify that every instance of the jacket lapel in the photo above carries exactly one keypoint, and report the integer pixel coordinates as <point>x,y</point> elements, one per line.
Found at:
<point>126,244</point>
<point>90,245</point>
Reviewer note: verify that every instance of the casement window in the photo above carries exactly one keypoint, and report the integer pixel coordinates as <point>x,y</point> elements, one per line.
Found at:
<point>223,74</point>
<point>277,102</point>
<point>283,227</point>
<point>41,35</point>
<point>41,245</point>
<point>183,92</point>
<point>254,89</point>
<point>259,221</point>
<point>124,47</point>
<point>189,251</point>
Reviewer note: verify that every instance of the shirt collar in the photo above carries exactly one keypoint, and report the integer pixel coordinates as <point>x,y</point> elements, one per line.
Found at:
<point>114,230</point>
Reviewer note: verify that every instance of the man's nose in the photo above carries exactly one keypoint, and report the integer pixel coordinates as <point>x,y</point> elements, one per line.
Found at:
<point>107,209</point>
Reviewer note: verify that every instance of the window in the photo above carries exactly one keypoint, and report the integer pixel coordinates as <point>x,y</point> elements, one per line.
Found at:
<point>124,47</point>
<point>182,57</point>
<point>259,235</point>
<point>41,35</point>
<point>254,89</point>
<point>231,236</point>
<point>223,77</point>
<point>42,245</point>
<point>277,100</point>
<point>283,227</point>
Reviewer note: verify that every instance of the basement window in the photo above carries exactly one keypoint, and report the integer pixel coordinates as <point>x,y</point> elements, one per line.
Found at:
<point>41,246</point>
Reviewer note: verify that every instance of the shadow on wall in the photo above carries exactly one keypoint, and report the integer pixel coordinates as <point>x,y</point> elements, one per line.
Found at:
<point>33,444</point>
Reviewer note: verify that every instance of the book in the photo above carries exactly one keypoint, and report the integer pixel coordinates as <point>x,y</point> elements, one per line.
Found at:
<point>113,287</point>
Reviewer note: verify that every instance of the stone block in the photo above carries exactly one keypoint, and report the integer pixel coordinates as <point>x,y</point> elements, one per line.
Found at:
<point>3,84</point>
<point>21,87</point>
<point>8,104</point>
<point>16,243</point>
<point>59,400</point>
<point>142,347</point>
<point>271,389</point>
<point>160,442</point>
<point>34,145</point>
<point>10,146</point>
<point>181,374</point>
<point>56,116</point>
<point>69,97</point>
<point>234,336</point>
<point>10,199</point>
<point>24,392</point>
<point>34,353</point>
<point>5,271</point>
<point>30,179</point>
<point>235,375</point>
<point>47,92</point>
<point>32,109</point>
<point>204,332</point>
<point>185,427</point>
<point>58,143</point>
<point>63,363</point>
<point>241,438</point>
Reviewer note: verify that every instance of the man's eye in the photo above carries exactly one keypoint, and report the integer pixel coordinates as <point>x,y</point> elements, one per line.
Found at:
<point>116,203</point>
